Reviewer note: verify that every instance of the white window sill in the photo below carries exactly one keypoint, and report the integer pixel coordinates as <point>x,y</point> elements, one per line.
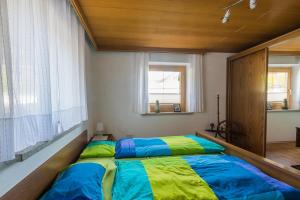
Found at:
<point>281,110</point>
<point>31,150</point>
<point>167,113</point>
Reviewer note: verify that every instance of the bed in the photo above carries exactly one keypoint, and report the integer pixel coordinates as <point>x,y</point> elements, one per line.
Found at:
<point>177,167</point>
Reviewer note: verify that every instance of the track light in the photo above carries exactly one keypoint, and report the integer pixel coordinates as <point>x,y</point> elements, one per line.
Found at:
<point>252,4</point>
<point>226,16</point>
<point>225,19</point>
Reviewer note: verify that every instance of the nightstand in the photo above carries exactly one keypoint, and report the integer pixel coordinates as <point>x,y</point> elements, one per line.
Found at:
<point>103,136</point>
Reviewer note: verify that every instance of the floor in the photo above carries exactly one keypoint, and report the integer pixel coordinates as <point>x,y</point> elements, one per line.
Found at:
<point>285,153</point>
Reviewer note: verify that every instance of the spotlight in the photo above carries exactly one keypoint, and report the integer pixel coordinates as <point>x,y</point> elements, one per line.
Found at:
<point>252,4</point>
<point>226,16</point>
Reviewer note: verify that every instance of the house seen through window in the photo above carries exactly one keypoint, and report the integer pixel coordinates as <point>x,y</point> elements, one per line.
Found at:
<point>167,85</point>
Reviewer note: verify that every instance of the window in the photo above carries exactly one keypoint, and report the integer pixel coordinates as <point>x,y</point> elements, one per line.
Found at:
<point>279,86</point>
<point>42,80</point>
<point>158,77</point>
<point>167,84</point>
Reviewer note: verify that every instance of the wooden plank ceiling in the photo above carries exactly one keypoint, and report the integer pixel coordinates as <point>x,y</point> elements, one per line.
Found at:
<point>186,25</point>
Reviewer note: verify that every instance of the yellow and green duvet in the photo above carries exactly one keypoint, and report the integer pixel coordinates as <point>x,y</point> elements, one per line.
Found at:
<point>209,177</point>
<point>196,177</point>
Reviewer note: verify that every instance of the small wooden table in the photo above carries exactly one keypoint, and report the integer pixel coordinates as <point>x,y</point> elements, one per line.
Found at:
<point>298,137</point>
<point>99,138</point>
<point>104,136</point>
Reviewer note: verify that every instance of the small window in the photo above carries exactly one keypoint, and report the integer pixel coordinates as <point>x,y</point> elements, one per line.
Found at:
<point>167,84</point>
<point>279,86</point>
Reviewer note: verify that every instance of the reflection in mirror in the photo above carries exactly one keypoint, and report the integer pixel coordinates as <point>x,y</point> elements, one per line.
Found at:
<point>283,104</point>
<point>283,86</point>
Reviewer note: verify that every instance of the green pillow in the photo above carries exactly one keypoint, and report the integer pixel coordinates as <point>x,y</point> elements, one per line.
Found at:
<point>97,149</point>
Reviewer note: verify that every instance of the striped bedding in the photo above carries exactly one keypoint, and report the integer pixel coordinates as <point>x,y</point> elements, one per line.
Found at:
<point>196,177</point>
<point>165,146</point>
<point>167,168</point>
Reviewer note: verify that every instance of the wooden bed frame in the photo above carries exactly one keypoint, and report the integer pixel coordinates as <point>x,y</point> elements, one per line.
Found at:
<point>37,182</point>
<point>285,174</point>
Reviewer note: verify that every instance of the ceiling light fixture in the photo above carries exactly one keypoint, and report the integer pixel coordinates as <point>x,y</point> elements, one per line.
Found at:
<point>252,4</point>
<point>225,19</point>
<point>226,16</point>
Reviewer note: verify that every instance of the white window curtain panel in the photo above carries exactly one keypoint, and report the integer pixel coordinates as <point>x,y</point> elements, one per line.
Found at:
<point>141,69</point>
<point>297,89</point>
<point>195,83</point>
<point>6,109</point>
<point>42,72</point>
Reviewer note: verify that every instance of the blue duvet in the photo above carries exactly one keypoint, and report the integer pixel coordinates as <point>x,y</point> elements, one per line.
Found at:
<point>197,177</point>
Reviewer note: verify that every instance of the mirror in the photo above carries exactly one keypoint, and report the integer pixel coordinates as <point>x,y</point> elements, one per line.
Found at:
<point>283,103</point>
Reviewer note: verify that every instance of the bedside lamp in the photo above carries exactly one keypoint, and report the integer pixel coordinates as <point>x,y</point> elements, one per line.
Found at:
<point>99,128</point>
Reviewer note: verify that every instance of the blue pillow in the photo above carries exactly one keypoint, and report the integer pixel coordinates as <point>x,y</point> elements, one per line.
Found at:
<point>79,181</point>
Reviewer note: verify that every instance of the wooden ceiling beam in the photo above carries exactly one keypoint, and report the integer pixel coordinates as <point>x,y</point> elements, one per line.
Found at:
<point>151,49</point>
<point>83,21</point>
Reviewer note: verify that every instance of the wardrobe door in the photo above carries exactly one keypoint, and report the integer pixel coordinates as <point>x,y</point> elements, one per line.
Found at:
<point>246,101</point>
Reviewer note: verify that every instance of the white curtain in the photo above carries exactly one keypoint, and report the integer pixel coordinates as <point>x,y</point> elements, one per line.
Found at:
<point>141,69</point>
<point>43,86</point>
<point>195,83</point>
<point>296,86</point>
<point>6,108</point>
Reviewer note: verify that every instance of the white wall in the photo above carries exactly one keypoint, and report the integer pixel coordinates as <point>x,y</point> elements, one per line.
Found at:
<point>88,75</point>
<point>112,96</point>
<point>283,59</point>
<point>281,126</point>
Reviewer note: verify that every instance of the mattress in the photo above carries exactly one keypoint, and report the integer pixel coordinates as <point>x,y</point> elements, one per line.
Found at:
<point>177,167</point>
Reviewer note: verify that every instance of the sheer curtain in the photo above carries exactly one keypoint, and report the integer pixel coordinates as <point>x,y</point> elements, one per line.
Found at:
<point>297,88</point>
<point>195,83</point>
<point>43,86</point>
<point>6,108</point>
<point>141,69</point>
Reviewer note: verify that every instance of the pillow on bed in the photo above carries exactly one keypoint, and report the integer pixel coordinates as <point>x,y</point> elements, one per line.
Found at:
<point>96,149</point>
<point>86,179</point>
<point>165,146</point>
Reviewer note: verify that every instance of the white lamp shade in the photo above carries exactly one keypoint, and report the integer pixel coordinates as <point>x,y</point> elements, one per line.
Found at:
<point>100,127</point>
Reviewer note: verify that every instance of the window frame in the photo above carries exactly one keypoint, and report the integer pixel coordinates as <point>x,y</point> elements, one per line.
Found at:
<point>276,105</point>
<point>168,107</point>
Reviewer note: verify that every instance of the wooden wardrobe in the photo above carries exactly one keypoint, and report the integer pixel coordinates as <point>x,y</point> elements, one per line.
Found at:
<point>247,95</point>
<point>246,100</point>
